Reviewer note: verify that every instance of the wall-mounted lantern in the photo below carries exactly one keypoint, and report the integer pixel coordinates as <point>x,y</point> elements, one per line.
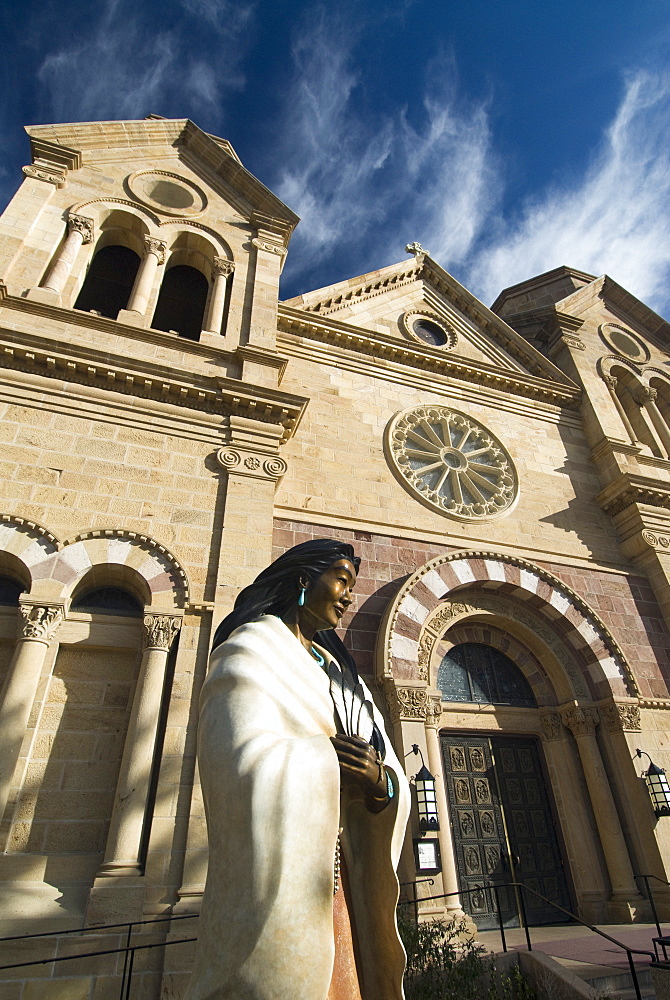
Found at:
<point>657,785</point>
<point>426,800</point>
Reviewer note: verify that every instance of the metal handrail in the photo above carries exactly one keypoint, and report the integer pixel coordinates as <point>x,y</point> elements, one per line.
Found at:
<point>524,922</point>
<point>650,897</point>
<point>130,949</point>
<point>98,927</point>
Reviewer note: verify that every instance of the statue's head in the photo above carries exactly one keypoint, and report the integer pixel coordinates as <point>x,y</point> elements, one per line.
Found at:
<point>277,589</point>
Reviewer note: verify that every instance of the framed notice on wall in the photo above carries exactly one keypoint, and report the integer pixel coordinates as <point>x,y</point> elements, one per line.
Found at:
<point>427,856</point>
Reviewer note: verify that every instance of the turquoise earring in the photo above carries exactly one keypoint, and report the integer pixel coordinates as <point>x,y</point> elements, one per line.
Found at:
<point>301,598</point>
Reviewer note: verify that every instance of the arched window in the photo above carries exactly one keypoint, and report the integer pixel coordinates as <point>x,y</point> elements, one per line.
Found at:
<point>181,303</point>
<point>108,601</point>
<point>629,392</point>
<point>10,590</point>
<point>109,281</point>
<point>475,672</point>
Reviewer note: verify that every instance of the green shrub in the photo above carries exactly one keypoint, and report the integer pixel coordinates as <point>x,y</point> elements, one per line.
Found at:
<point>510,986</point>
<point>443,960</point>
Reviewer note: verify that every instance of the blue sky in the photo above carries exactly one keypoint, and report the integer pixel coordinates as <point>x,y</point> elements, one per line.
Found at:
<point>507,136</point>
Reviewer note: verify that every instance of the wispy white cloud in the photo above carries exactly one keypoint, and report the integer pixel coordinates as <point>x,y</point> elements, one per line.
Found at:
<point>614,220</point>
<point>120,66</point>
<point>364,187</point>
<point>377,184</point>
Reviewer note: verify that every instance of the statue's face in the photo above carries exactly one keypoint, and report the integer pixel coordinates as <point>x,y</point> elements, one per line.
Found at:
<point>330,596</point>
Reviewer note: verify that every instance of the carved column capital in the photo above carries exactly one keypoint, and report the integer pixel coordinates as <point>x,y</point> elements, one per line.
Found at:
<point>221,265</point>
<point>610,381</point>
<point>433,711</point>
<point>413,703</point>
<point>39,621</point>
<point>644,394</point>
<point>580,721</point>
<point>81,224</point>
<point>156,247</point>
<point>552,725</point>
<point>622,718</point>
<point>160,630</point>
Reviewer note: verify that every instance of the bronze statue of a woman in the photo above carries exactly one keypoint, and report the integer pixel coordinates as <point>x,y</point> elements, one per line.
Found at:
<point>306,802</point>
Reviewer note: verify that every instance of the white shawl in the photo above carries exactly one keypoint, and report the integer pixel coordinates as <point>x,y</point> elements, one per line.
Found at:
<point>271,785</point>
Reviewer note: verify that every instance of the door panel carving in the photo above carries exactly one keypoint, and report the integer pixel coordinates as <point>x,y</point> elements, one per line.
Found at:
<point>503,827</point>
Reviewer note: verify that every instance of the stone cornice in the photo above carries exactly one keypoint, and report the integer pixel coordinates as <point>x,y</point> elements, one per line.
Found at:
<point>629,489</point>
<point>366,286</point>
<point>147,380</point>
<point>343,294</point>
<point>97,139</point>
<point>75,317</point>
<point>490,322</point>
<point>384,349</point>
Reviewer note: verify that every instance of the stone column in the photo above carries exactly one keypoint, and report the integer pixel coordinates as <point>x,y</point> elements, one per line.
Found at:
<point>587,872</point>
<point>449,875</point>
<point>38,625</point>
<point>146,273</point>
<point>582,723</point>
<point>122,854</point>
<point>222,269</point>
<point>80,231</point>
<point>649,395</point>
<point>611,383</point>
<point>644,397</point>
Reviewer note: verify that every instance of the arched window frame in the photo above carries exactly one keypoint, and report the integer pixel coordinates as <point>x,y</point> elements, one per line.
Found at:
<point>468,652</point>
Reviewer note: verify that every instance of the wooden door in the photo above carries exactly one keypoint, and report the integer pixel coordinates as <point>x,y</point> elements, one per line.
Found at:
<point>503,828</point>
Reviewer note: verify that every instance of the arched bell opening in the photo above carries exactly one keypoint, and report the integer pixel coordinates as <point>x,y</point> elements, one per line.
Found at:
<point>181,302</point>
<point>109,282</point>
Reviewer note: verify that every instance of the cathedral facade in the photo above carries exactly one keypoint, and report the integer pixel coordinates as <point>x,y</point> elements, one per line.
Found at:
<point>168,425</point>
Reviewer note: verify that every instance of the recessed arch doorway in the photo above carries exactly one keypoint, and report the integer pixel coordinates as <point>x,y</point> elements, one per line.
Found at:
<point>503,817</point>
<point>575,669</point>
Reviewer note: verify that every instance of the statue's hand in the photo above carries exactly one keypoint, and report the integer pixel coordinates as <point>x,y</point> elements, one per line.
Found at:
<point>360,763</point>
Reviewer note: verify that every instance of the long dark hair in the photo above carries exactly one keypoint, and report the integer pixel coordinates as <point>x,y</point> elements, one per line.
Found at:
<point>276,589</point>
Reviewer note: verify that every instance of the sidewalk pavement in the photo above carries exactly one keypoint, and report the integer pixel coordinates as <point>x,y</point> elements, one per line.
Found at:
<point>579,944</point>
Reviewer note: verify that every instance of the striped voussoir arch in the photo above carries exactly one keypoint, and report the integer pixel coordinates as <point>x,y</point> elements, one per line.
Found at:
<point>447,575</point>
<point>47,558</point>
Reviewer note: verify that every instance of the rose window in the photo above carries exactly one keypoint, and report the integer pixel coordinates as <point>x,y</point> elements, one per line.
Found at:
<point>452,463</point>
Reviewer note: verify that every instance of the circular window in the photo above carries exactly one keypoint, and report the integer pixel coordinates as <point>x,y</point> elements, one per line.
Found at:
<point>429,329</point>
<point>167,193</point>
<point>452,463</point>
<point>171,195</point>
<point>622,341</point>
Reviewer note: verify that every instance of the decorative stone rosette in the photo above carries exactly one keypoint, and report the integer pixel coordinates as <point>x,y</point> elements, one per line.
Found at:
<point>452,463</point>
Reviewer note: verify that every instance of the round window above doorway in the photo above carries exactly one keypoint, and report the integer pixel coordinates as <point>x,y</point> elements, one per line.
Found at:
<point>429,329</point>
<point>167,193</point>
<point>452,463</point>
<point>624,342</point>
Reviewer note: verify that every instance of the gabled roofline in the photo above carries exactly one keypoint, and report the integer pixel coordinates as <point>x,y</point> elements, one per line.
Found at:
<point>613,293</point>
<point>539,280</point>
<point>78,138</point>
<point>330,299</point>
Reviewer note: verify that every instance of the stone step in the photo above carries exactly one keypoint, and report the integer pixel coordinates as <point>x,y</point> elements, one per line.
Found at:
<point>607,980</point>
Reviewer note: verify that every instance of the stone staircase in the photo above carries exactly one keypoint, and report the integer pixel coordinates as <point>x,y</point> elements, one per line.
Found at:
<point>610,983</point>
